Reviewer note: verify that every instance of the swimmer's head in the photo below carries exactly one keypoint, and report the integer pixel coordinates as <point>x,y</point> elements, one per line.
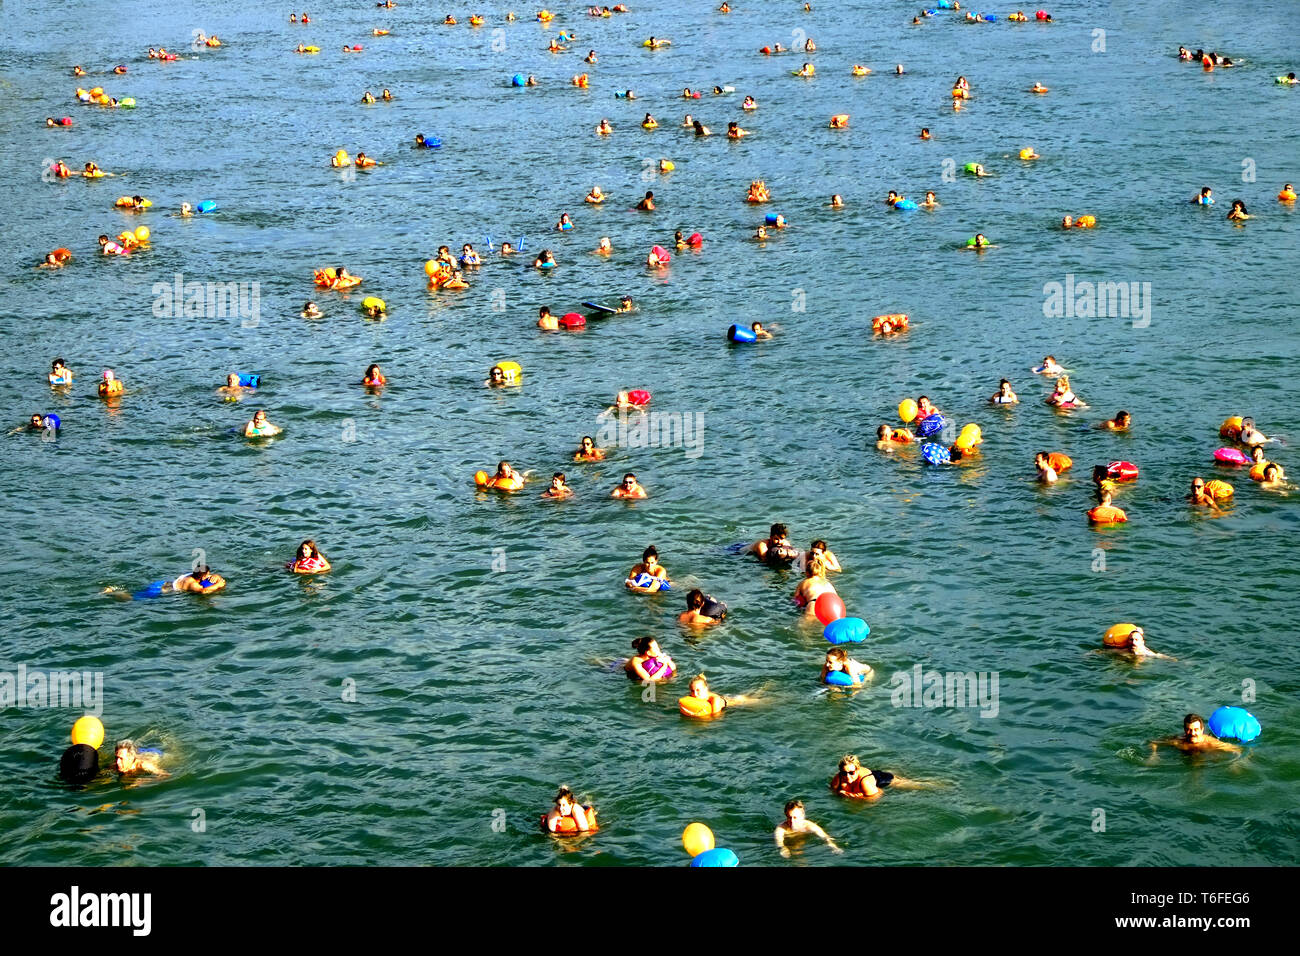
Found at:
<point>794,810</point>
<point>259,416</point>
<point>1194,728</point>
<point>1257,452</point>
<point>1122,419</point>
<point>695,599</point>
<point>38,421</point>
<point>587,443</point>
<point>496,374</point>
<point>564,800</point>
<point>503,469</point>
<point>625,301</point>
<point>646,645</point>
<point>1270,472</point>
<point>699,686</point>
<point>557,480</point>
<point>126,756</point>
<point>629,481</point>
<point>837,656</point>
<point>57,364</point>
<point>308,549</point>
<point>884,432</point>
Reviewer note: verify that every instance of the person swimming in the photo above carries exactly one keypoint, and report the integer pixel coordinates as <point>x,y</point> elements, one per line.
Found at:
<point>1201,496</point>
<point>887,439</point>
<point>1120,423</point>
<point>544,260</point>
<point>1049,367</point>
<point>308,559</point>
<point>648,203</point>
<point>1062,396</point>
<point>1136,646</point>
<point>547,321</point>
<point>1047,475</point>
<point>587,450</point>
<point>813,586</point>
<point>797,824</point>
<point>749,104</point>
<point>595,196</point>
<point>1004,394</point>
<point>700,128</point>
<point>60,374</point>
<point>1238,212</point>
<point>734,131</point>
<point>129,760</point>
<point>1250,435</point>
<point>579,819</point>
<point>1205,197</point>
<point>694,615</point>
<point>838,661</point>
<point>649,664</point>
<point>260,427</point>
<point>202,580</point>
<point>374,377</point>
<point>629,488</point>
<point>1194,738</point>
<point>819,550</point>
<point>232,389</point>
<point>776,548</point>
<point>559,487</point>
<point>311,311</point>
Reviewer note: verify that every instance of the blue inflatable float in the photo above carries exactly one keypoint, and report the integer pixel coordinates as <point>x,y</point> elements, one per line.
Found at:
<point>1234,723</point>
<point>931,425</point>
<point>645,579</point>
<point>53,421</point>
<point>518,80</point>
<point>432,142</point>
<point>840,679</point>
<point>738,333</point>
<point>847,630</point>
<point>718,856</point>
<point>249,381</point>
<point>905,204</point>
<point>935,454</point>
<point>207,205</point>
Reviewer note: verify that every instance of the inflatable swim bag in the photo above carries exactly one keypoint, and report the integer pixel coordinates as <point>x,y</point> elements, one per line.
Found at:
<point>1234,723</point>
<point>847,630</point>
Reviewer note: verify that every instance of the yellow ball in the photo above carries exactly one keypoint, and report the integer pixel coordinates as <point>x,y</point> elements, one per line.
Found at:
<point>88,730</point>
<point>480,477</point>
<point>142,234</point>
<point>697,838</point>
<point>430,267</point>
<point>907,410</point>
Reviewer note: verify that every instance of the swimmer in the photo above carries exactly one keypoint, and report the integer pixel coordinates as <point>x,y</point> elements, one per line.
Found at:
<point>628,488</point>
<point>1062,396</point>
<point>655,43</point>
<point>506,478</point>
<point>311,311</point>
<point>1194,738</point>
<point>924,409</point>
<point>111,386</point>
<point>1038,88</point>
<point>1047,475</point>
<point>796,823</point>
<point>374,377</point>
<point>858,782</point>
<point>625,304</point>
<point>544,260</point>
<point>760,333</point>
<point>980,243</point>
<point>930,202</point>
<point>649,122</point>
<point>559,487</point>
<point>699,689</point>
<point>596,197</point>
<point>649,664</point>
<point>725,8</point>
<point>1137,647</point>
<point>1250,435</point>
<point>497,377</point>
<point>898,69</point>
<point>604,128</point>
<point>925,133</point>
<point>308,559</point>
<point>110,248</point>
<point>78,71</point>
<point>469,258</point>
<point>653,261</point>
<point>887,439</point>
<point>701,129</point>
<point>590,57</point>
<point>749,104</point>
<point>202,580</point>
<point>776,548</point>
<point>367,97</point>
<point>809,46</point>
<point>693,616</point>
<point>1118,513</point>
<point>1119,423</point>
<point>55,260</point>
<point>531,81</point>
<point>1287,194</point>
<point>129,760</point>
<point>365,162</point>
<point>260,427</point>
<point>838,661</point>
<point>587,450</point>
<point>60,170</point>
<point>1004,395</point>
<point>1273,479</point>
<point>979,170</point>
<point>806,70</point>
<point>584,818</point>
<point>813,586</point>
<point>648,203</point>
<point>818,549</point>
<point>1200,496</point>
<point>386,96</point>
<point>546,321</point>
<point>1102,482</point>
<point>232,389</point>
<point>507,249</point>
<point>37,423</point>
<point>837,201</point>
<point>186,210</point>
<point>1028,153</point>
<point>859,70</point>
<point>735,132</point>
<point>1049,367</point>
<point>1238,213</point>
<point>565,223</point>
<point>60,374</point>
<point>1205,197</point>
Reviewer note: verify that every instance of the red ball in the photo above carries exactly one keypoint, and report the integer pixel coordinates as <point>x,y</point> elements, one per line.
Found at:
<point>828,607</point>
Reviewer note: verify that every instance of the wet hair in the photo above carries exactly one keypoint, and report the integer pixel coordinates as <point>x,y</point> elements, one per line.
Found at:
<point>819,543</point>
<point>1193,719</point>
<point>642,644</point>
<point>779,530</point>
<point>793,805</point>
<point>695,600</point>
<point>651,549</point>
<point>1270,471</point>
<point>310,543</point>
<point>1043,454</point>
<point>564,793</point>
<point>883,431</point>
<point>558,474</point>
<point>837,653</point>
<point>698,678</point>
